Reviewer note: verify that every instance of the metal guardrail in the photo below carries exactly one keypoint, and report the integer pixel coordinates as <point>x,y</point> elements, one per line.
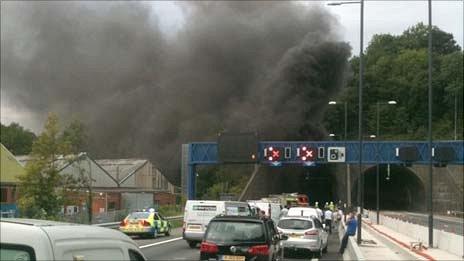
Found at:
<point>116,224</point>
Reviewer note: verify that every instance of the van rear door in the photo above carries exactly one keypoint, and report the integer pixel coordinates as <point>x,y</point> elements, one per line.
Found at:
<point>199,214</point>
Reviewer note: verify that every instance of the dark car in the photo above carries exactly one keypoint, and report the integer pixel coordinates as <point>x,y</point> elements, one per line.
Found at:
<point>241,238</point>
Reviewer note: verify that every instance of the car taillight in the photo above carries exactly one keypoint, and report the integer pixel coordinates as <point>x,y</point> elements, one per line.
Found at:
<point>312,233</point>
<point>145,223</point>
<point>208,247</point>
<point>123,223</point>
<point>261,250</point>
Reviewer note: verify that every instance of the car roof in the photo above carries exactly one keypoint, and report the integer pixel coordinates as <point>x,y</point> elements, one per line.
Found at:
<point>59,230</point>
<point>237,218</point>
<point>36,222</point>
<point>298,217</point>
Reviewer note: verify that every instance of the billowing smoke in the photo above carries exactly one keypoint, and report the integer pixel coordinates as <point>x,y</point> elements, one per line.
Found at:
<point>268,67</point>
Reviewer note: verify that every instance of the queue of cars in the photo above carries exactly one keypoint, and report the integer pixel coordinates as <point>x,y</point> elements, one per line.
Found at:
<point>230,230</point>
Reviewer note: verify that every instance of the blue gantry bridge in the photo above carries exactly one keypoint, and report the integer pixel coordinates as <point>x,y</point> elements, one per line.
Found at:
<point>373,152</point>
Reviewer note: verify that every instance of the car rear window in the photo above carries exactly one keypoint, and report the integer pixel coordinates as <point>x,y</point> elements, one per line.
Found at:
<point>138,215</point>
<point>295,224</point>
<point>235,232</point>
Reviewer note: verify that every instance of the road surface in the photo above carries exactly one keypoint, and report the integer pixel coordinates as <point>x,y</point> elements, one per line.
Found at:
<point>173,247</point>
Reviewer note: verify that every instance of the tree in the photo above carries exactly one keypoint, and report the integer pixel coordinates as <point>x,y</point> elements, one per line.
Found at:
<point>17,139</point>
<point>396,69</point>
<point>42,189</point>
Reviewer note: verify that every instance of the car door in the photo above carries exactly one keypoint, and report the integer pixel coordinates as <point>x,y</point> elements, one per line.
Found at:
<point>159,223</point>
<point>273,238</point>
<point>322,232</point>
<point>164,222</point>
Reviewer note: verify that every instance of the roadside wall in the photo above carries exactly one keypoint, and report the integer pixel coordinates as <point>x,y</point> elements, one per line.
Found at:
<point>446,241</point>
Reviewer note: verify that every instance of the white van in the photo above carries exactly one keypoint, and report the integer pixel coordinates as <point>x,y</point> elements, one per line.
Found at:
<point>272,210</point>
<point>198,213</point>
<point>32,239</point>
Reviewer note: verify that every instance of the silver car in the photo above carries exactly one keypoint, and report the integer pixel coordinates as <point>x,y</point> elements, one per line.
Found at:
<point>304,234</point>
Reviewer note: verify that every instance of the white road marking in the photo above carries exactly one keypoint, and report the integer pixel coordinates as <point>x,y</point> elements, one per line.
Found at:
<point>160,243</point>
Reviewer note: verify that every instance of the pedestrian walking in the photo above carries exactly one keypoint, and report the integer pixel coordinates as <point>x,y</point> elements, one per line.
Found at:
<point>351,225</point>
<point>328,219</point>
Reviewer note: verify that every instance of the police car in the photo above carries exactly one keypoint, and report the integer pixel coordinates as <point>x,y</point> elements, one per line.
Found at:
<point>145,223</point>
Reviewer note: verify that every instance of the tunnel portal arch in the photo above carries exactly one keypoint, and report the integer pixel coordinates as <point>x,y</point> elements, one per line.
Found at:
<point>400,188</point>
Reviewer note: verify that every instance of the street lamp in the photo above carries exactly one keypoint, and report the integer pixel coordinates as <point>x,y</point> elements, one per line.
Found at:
<point>360,118</point>
<point>391,102</point>
<point>345,137</point>
<point>331,135</point>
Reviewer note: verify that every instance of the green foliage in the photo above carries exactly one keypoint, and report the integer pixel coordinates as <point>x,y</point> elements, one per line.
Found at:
<point>43,189</point>
<point>396,68</point>
<point>16,139</point>
<point>171,210</point>
<point>212,181</point>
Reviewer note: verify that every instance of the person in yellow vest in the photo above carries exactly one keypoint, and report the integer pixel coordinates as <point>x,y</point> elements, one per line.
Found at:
<point>331,206</point>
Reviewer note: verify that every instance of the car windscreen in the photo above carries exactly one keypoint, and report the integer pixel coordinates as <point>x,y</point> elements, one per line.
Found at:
<point>295,224</point>
<point>138,215</point>
<point>226,232</point>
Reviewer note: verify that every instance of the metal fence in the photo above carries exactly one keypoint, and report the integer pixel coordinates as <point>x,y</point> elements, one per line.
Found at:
<point>97,218</point>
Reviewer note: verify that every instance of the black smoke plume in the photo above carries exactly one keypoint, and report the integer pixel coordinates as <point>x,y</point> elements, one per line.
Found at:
<point>265,66</point>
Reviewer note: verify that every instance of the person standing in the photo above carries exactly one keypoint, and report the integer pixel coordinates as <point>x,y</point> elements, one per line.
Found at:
<point>284,212</point>
<point>328,219</point>
<point>320,213</point>
<point>351,225</point>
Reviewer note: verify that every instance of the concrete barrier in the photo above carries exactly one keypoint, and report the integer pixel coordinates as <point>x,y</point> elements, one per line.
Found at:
<point>352,251</point>
<point>443,240</point>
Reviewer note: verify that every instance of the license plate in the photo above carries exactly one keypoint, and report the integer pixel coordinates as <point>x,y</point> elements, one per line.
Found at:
<point>294,236</point>
<point>233,258</point>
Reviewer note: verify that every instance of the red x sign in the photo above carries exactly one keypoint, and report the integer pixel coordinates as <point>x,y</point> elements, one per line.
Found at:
<point>273,154</point>
<point>307,154</point>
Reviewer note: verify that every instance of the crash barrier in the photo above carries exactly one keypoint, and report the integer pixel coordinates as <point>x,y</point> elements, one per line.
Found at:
<point>116,224</point>
<point>352,251</point>
<point>443,240</point>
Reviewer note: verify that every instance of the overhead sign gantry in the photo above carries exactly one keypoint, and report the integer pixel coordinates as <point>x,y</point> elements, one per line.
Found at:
<point>247,149</point>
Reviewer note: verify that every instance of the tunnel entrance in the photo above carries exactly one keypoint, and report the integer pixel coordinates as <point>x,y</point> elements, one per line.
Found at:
<point>317,182</point>
<point>400,189</point>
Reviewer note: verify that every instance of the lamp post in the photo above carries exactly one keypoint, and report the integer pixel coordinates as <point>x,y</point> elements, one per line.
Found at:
<point>430,99</point>
<point>377,156</point>
<point>360,118</point>
<point>345,138</point>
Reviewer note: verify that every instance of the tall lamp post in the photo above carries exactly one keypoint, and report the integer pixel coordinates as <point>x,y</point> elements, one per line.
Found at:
<point>377,156</point>
<point>360,118</point>
<point>345,138</point>
<point>430,197</point>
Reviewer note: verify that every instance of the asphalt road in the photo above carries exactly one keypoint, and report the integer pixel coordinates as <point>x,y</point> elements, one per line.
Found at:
<point>173,247</point>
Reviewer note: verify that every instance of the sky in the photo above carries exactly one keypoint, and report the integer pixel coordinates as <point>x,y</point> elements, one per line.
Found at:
<point>391,17</point>
<point>380,17</point>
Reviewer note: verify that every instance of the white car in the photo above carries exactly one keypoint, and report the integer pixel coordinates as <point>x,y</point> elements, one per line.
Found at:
<point>32,239</point>
<point>304,211</point>
<point>304,234</point>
